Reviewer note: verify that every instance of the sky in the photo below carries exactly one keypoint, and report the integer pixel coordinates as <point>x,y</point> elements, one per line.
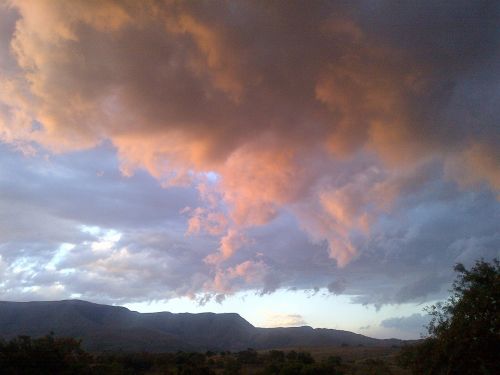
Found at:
<point>321,163</point>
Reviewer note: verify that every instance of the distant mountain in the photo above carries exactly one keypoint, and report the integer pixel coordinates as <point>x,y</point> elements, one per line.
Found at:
<point>103,327</point>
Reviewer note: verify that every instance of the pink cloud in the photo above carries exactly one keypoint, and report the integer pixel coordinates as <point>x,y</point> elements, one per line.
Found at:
<point>272,104</point>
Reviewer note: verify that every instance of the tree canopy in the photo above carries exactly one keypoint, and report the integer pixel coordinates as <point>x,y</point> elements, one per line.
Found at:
<point>464,332</point>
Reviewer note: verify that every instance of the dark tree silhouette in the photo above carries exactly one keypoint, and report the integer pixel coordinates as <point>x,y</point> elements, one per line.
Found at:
<point>44,355</point>
<point>464,332</point>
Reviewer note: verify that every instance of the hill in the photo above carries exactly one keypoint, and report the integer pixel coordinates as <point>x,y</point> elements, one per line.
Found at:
<point>104,327</point>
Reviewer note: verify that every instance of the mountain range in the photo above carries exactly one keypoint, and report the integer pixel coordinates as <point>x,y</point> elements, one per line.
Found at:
<point>113,328</point>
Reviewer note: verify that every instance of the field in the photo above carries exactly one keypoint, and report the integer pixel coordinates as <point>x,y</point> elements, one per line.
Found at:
<point>355,360</point>
<point>359,358</point>
<point>52,355</point>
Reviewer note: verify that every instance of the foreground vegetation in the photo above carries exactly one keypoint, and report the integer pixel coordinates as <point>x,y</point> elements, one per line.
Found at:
<point>50,355</point>
<point>464,333</point>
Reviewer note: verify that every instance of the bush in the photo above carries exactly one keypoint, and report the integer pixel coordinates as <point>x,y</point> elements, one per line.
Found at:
<point>45,355</point>
<point>464,333</point>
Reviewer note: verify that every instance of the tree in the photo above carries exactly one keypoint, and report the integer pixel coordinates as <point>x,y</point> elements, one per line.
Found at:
<point>464,332</point>
<point>44,355</point>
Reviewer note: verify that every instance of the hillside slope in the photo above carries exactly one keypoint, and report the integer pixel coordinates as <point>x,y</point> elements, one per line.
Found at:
<point>103,327</point>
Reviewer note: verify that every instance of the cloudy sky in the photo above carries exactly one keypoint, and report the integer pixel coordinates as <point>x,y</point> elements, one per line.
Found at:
<point>322,163</point>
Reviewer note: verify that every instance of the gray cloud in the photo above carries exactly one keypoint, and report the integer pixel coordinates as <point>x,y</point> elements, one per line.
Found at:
<point>337,286</point>
<point>413,323</point>
<point>408,257</point>
<point>352,148</point>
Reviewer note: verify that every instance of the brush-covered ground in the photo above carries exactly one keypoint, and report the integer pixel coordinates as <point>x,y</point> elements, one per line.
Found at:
<point>50,355</point>
<point>360,359</point>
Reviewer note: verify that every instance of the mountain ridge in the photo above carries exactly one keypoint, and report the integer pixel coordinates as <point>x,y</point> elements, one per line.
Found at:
<point>104,327</point>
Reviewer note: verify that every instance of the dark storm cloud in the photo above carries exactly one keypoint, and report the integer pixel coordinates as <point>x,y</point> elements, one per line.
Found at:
<point>352,146</point>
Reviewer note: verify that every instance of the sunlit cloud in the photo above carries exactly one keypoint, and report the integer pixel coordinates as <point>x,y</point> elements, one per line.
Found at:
<point>207,149</point>
<point>284,320</point>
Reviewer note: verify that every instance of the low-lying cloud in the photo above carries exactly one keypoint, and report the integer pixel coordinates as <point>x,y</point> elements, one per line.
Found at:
<point>413,323</point>
<point>284,320</point>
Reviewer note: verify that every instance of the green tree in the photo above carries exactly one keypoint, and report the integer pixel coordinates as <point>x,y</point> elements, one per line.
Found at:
<point>464,332</point>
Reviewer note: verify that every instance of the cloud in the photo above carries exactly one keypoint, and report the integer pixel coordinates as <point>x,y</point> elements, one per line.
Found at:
<point>284,320</point>
<point>330,139</point>
<point>337,286</point>
<point>47,203</point>
<point>413,323</point>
